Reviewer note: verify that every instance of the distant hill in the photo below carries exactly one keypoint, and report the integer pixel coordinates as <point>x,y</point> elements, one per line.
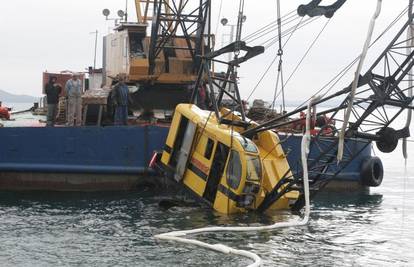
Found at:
<point>11,98</point>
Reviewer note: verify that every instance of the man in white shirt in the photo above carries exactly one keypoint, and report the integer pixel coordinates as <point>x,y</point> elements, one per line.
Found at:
<point>74,92</point>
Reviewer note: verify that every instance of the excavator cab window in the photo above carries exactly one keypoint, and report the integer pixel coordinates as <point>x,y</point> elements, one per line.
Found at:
<point>136,45</point>
<point>254,168</point>
<point>247,144</point>
<point>178,141</point>
<point>216,172</point>
<point>209,148</point>
<point>234,170</point>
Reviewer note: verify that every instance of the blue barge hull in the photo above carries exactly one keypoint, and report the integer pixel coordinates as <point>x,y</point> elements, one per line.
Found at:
<point>97,158</point>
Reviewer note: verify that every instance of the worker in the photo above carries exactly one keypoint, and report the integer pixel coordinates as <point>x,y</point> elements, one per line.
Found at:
<point>120,95</point>
<point>73,94</point>
<point>52,90</point>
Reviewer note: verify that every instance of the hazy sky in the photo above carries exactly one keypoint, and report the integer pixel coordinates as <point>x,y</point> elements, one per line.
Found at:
<point>54,35</point>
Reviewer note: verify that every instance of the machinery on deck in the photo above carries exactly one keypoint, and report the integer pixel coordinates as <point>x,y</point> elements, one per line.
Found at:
<point>164,63</point>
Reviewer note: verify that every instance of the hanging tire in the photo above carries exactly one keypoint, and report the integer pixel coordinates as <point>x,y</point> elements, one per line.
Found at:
<point>372,171</point>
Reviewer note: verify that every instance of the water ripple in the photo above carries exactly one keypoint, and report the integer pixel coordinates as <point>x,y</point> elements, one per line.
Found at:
<point>117,230</point>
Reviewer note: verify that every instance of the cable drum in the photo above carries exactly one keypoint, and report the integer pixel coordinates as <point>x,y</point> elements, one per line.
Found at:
<point>388,140</point>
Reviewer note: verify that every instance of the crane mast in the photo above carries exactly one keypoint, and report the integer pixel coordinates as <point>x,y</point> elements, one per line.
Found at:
<point>179,29</point>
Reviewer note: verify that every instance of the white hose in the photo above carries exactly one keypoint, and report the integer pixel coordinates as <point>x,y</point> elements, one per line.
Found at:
<point>356,80</point>
<point>179,236</point>
<point>410,43</point>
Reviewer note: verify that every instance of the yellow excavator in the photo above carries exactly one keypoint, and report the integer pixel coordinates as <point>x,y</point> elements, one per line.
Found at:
<point>206,152</point>
<point>230,172</point>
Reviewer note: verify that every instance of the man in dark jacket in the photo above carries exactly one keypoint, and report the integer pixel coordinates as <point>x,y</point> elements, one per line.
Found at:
<point>120,97</point>
<point>53,91</point>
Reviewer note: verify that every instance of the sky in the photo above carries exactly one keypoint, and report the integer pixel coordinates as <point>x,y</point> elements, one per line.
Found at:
<point>56,35</point>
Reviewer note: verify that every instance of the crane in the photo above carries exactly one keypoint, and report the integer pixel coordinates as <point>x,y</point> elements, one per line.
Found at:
<point>161,52</point>
<point>178,29</point>
<point>386,84</point>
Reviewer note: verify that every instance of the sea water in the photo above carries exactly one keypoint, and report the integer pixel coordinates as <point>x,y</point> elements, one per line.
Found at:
<point>374,228</point>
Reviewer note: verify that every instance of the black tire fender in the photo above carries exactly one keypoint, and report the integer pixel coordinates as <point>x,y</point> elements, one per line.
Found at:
<point>372,171</point>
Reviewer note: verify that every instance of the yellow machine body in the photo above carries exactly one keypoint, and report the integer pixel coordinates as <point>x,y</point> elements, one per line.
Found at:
<point>232,173</point>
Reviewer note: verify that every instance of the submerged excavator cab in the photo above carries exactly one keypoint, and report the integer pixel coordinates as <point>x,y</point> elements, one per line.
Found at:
<point>230,172</point>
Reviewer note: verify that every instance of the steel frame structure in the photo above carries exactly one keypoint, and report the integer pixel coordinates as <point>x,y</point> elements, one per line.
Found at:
<point>219,86</point>
<point>385,84</point>
<point>143,10</point>
<point>174,19</point>
<point>380,87</point>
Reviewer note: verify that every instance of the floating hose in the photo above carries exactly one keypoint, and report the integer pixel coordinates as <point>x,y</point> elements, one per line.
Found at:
<point>356,80</point>
<point>410,42</point>
<point>179,236</point>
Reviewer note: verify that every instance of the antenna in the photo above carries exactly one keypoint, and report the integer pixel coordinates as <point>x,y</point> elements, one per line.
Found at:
<point>126,10</point>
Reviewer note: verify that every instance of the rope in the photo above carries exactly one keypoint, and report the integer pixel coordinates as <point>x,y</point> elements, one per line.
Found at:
<point>404,195</point>
<point>180,236</point>
<point>356,79</point>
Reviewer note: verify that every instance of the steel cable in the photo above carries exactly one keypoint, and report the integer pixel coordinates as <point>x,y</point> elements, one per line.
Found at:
<point>345,70</point>
<point>270,65</point>
<point>269,25</point>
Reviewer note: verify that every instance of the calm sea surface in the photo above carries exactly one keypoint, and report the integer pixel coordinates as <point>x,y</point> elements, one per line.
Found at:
<point>373,228</point>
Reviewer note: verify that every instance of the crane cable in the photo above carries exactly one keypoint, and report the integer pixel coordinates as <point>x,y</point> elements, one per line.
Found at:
<point>218,17</point>
<point>266,30</point>
<point>302,23</point>
<point>331,83</point>
<point>410,43</point>
<point>271,63</point>
<point>356,80</point>
<point>180,236</point>
<point>280,65</point>
<point>287,17</point>
<point>304,57</point>
<point>345,70</point>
